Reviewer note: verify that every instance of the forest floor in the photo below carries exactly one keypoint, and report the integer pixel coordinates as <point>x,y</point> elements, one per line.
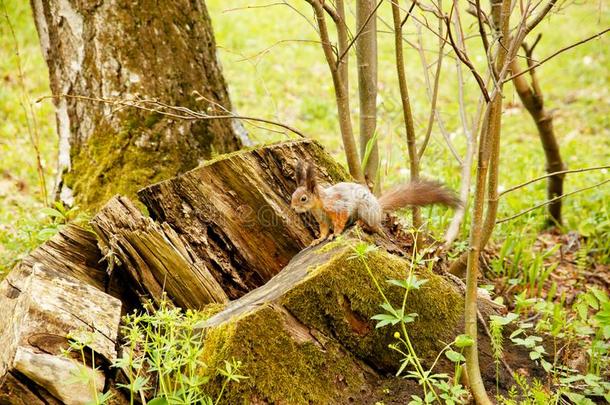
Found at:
<point>276,70</point>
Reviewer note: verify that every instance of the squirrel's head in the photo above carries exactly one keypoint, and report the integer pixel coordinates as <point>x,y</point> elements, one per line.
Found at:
<point>305,196</point>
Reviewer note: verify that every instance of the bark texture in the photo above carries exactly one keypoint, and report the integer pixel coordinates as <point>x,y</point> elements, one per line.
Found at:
<point>155,257</point>
<point>130,50</point>
<point>235,213</point>
<point>39,307</point>
<point>366,57</point>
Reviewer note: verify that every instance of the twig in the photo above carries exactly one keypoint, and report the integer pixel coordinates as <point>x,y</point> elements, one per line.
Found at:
<point>433,102</point>
<point>535,65</point>
<point>267,49</point>
<point>550,201</point>
<point>586,169</point>
<point>482,32</point>
<point>464,58</point>
<point>190,114</point>
<point>227,10</point>
<point>353,41</point>
<point>404,20</point>
<point>33,126</point>
<point>540,16</point>
<point>405,103</point>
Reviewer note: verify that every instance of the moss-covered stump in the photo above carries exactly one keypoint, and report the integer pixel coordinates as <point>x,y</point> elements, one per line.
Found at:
<point>234,212</point>
<point>307,335</point>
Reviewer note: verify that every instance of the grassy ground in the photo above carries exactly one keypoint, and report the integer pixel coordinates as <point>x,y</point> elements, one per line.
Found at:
<point>274,73</point>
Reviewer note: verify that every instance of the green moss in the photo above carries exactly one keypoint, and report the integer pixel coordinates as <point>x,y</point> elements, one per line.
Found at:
<point>211,309</point>
<point>281,369</point>
<point>122,162</point>
<point>343,289</point>
<point>333,302</point>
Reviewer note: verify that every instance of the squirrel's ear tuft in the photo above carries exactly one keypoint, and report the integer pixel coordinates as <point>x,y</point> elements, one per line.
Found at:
<point>310,178</point>
<point>300,172</point>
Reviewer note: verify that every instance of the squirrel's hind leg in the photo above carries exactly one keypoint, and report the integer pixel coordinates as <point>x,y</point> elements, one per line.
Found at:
<point>376,228</point>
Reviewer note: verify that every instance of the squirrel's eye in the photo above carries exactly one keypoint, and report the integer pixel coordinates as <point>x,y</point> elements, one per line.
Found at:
<point>304,198</point>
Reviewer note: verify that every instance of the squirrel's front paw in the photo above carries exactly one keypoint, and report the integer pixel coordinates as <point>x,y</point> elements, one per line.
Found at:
<point>316,242</point>
<point>322,239</point>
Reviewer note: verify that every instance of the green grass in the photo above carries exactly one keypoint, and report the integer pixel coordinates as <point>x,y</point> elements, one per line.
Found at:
<point>271,75</point>
<point>20,196</point>
<point>274,73</point>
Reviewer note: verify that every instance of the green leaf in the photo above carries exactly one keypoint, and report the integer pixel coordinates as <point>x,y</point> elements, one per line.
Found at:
<point>591,300</point>
<point>546,365</point>
<point>46,233</point>
<point>158,401</point>
<point>410,283</point>
<point>51,212</point>
<point>385,319</point>
<point>463,340</point>
<point>504,320</point>
<point>369,148</point>
<point>455,356</point>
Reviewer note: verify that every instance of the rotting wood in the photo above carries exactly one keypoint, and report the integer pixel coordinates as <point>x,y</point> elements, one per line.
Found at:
<point>74,251</point>
<point>39,308</point>
<point>155,256</point>
<point>234,212</point>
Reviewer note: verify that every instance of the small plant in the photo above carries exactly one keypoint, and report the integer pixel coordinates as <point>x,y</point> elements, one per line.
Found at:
<point>79,342</point>
<point>585,328</point>
<point>518,267</point>
<point>59,217</point>
<point>437,387</point>
<point>161,359</point>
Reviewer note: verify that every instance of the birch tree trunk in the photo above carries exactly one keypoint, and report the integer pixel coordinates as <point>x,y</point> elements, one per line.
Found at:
<point>130,50</point>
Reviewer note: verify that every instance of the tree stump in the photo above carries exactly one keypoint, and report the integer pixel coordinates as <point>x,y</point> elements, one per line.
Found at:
<point>39,308</point>
<point>155,257</point>
<point>307,336</point>
<point>230,218</point>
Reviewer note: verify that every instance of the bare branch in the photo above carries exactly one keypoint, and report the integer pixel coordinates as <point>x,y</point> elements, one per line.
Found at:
<point>535,65</point>
<point>586,169</point>
<point>406,104</point>
<point>552,200</point>
<point>482,33</point>
<point>464,58</point>
<point>540,16</point>
<point>342,55</point>
<point>434,98</point>
<point>339,73</point>
<point>404,20</point>
<point>179,112</point>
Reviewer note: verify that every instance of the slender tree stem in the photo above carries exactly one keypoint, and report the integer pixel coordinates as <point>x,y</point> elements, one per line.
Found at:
<point>406,103</point>
<point>366,57</point>
<point>339,74</point>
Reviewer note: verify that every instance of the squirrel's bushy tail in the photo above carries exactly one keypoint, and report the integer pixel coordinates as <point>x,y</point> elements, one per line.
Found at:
<point>418,193</point>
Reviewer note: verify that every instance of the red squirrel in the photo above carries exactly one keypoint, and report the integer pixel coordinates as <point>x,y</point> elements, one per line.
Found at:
<point>335,206</point>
